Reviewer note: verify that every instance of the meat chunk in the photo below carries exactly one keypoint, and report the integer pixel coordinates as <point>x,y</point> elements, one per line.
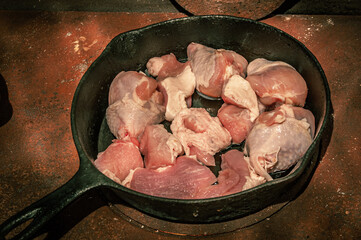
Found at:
<point>165,66</point>
<point>212,67</point>
<point>131,85</point>
<point>276,82</point>
<point>134,104</point>
<point>278,140</point>
<point>159,147</point>
<point>184,180</point>
<point>238,91</point>
<point>118,159</point>
<point>127,118</point>
<point>234,160</point>
<point>175,80</point>
<point>236,120</point>
<point>236,175</point>
<point>176,91</point>
<point>200,134</point>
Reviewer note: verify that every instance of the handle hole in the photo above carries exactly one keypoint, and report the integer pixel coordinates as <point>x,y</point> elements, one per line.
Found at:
<point>18,229</point>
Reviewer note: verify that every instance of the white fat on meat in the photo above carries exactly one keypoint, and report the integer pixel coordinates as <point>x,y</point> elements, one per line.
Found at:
<point>200,134</point>
<point>176,90</point>
<point>176,81</point>
<point>212,67</point>
<point>128,118</point>
<point>276,82</point>
<point>159,147</point>
<point>278,139</point>
<point>134,103</point>
<point>238,91</point>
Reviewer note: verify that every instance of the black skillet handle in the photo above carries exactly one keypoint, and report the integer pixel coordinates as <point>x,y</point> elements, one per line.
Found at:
<point>44,209</point>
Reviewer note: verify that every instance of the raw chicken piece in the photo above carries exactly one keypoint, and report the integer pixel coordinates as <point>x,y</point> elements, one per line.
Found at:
<point>165,66</point>
<point>236,120</point>
<point>236,175</point>
<point>278,139</point>
<point>227,180</point>
<point>159,147</point>
<point>134,103</point>
<point>212,67</point>
<point>118,159</point>
<point>128,118</point>
<point>235,160</point>
<point>176,91</point>
<point>276,82</point>
<point>131,85</point>
<point>298,113</point>
<point>200,134</point>
<point>176,82</point>
<point>238,91</point>
<point>184,180</point>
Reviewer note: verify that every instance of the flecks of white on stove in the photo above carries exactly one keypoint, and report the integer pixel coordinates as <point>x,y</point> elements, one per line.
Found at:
<point>82,45</point>
<point>82,67</point>
<point>315,27</point>
<point>330,21</point>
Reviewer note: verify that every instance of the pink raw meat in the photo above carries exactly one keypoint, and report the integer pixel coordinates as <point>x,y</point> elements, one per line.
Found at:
<point>184,180</point>
<point>235,160</point>
<point>236,120</point>
<point>276,82</point>
<point>134,104</point>
<point>118,159</point>
<point>176,81</point>
<point>128,118</point>
<point>212,67</point>
<point>159,147</point>
<point>279,139</point>
<point>165,66</point>
<point>133,85</point>
<point>200,134</point>
<point>236,176</point>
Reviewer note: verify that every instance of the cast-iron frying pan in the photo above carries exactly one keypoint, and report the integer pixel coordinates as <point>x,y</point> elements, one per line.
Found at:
<point>130,51</point>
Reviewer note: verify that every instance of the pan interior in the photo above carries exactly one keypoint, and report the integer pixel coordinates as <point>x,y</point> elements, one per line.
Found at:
<point>198,101</point>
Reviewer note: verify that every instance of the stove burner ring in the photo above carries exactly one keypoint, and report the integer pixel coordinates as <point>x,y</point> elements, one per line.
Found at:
<point>156,225</point>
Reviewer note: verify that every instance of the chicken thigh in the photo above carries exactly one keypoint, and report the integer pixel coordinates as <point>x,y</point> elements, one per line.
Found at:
<point>184,180</point>
<point>276,82</point>
<point>159,147</point>
<point>132,85</point>
<point>212,67</point>
<point>118,159</point>
<point>236,120</point>
<point>134,104</point>
<point>278,139</point>
<point>128,118</point>
<point>200,134</point>
<point>238,91</point>
<point>165,66</point>
<point>176,81</point>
